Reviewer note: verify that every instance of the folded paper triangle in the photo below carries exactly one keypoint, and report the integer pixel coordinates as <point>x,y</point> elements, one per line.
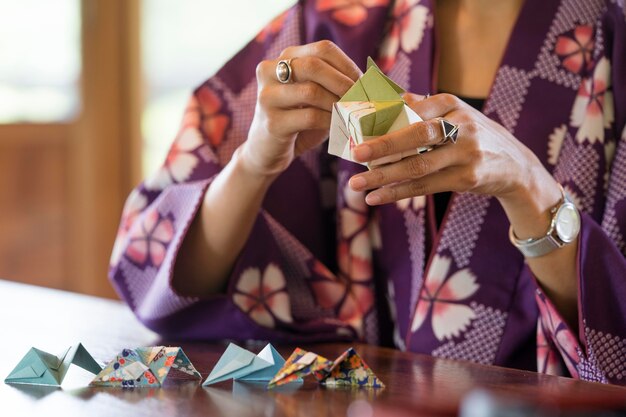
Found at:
<point>373,86</point>
<point>165,361</point>
<point>237,362</point>
<point>42,368</point>
<point>300,364</point>
<point>268,354</point>
<point>145,367</point>
<point>372,107</point>
<point>126,370</point>
<point>350,370</point>
<point>242,365</point>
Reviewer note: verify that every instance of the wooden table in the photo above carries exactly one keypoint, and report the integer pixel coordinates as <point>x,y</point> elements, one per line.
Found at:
<point>416,384</point>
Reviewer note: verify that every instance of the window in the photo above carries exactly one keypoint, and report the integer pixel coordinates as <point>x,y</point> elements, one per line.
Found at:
<point>41,61</point>
<point>184,43</point>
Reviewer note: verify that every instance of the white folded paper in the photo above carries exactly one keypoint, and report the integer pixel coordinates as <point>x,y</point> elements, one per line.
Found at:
<point>345,130</point>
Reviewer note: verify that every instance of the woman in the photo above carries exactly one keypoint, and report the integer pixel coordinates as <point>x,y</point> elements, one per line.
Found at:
<point>251,230</point>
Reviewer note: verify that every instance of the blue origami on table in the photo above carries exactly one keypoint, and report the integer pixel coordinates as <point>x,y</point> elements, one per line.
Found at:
<point>42,368</point>
<point>241,364</point>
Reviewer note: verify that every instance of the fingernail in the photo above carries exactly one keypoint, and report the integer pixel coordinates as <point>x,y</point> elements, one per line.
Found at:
<point>358,182</point>
<point>372,199</point>
<point>362,152</point>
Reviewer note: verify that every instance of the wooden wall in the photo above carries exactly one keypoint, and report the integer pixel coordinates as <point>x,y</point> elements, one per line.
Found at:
<point>34,205</point>
<point>62,186</point>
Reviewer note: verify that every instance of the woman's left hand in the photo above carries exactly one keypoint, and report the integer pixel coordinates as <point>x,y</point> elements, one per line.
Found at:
<point>486,159</point>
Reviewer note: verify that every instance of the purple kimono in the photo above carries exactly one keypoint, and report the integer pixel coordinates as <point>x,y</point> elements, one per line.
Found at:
<point>320,265</point>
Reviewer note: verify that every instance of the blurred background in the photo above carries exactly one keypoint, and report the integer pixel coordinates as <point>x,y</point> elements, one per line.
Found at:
<point>91,94</point>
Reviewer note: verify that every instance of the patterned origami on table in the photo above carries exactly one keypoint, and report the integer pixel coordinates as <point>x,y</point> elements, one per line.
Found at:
<point>145,367</point>
<point>41,368</point>
<point>300,364</point>
<point>372,107</point>
<point>350,370</point>
<point>242,365</point>
<point>347,370</point>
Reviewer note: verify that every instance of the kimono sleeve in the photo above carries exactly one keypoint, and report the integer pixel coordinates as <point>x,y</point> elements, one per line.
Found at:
<point>598,352</point>
<point>271,271</point>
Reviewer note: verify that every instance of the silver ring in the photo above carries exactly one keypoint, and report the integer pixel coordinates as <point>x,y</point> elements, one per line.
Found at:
<point>450,131</point>
<point>284,71</point>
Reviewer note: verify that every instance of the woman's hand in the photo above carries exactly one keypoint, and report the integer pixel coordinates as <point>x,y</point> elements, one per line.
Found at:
<point>292,118</point>
<point>289,119</point>
<point>486,159</point>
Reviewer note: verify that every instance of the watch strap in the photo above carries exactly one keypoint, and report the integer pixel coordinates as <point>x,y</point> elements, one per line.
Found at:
<point>535,247</point>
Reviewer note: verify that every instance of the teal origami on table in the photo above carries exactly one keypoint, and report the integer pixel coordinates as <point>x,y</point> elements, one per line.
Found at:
<point>42,368</point>
<point>242,365</point>
<point>146,367</point>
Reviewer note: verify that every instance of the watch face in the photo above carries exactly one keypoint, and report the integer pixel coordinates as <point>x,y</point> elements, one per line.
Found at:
<point>567,222</point>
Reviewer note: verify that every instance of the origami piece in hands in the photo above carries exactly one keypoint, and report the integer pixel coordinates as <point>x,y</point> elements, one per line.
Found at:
<point>146,367</point>
<point>372,107</point>
<point>242,365</point>
<point>347,370</point>
<point>41,368</point>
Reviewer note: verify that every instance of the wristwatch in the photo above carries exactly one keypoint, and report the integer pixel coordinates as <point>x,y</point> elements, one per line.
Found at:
<point>564,228</point>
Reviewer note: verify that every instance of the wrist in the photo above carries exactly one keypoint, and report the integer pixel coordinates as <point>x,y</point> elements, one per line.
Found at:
<point>248,165</point>
<point>564,228</point>
<point>529,204</point>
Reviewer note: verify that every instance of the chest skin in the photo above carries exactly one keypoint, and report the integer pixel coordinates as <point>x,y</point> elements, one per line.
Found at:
<point>472,36</point>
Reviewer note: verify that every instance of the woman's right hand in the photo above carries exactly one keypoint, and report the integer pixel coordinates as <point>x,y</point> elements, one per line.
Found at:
<point>292,118</point>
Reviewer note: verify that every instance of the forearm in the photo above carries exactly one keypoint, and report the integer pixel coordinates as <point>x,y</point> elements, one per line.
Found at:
<point>220,229</point>
<point>289,119</point>
<point>528,210</point>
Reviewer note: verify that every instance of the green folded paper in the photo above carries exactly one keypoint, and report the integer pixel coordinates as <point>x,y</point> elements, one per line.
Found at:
<point>378,89</point>
<point>372,107</point>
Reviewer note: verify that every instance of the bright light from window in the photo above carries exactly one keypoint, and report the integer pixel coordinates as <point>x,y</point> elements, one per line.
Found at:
<point>184,43</point>
<point>40,60</point>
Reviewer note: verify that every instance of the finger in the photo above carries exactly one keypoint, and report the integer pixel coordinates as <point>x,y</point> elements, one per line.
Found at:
<point>309,139</point>
<point>307,69</point>
<point>327,51</point>
<point>283,123</point>
<point>411,98</point>
<point>312,68</point>
<point>413,167</point>
<point>292,96</point>
<point>417,135</point>
<point>434,106</point>
<point>452,179</point>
